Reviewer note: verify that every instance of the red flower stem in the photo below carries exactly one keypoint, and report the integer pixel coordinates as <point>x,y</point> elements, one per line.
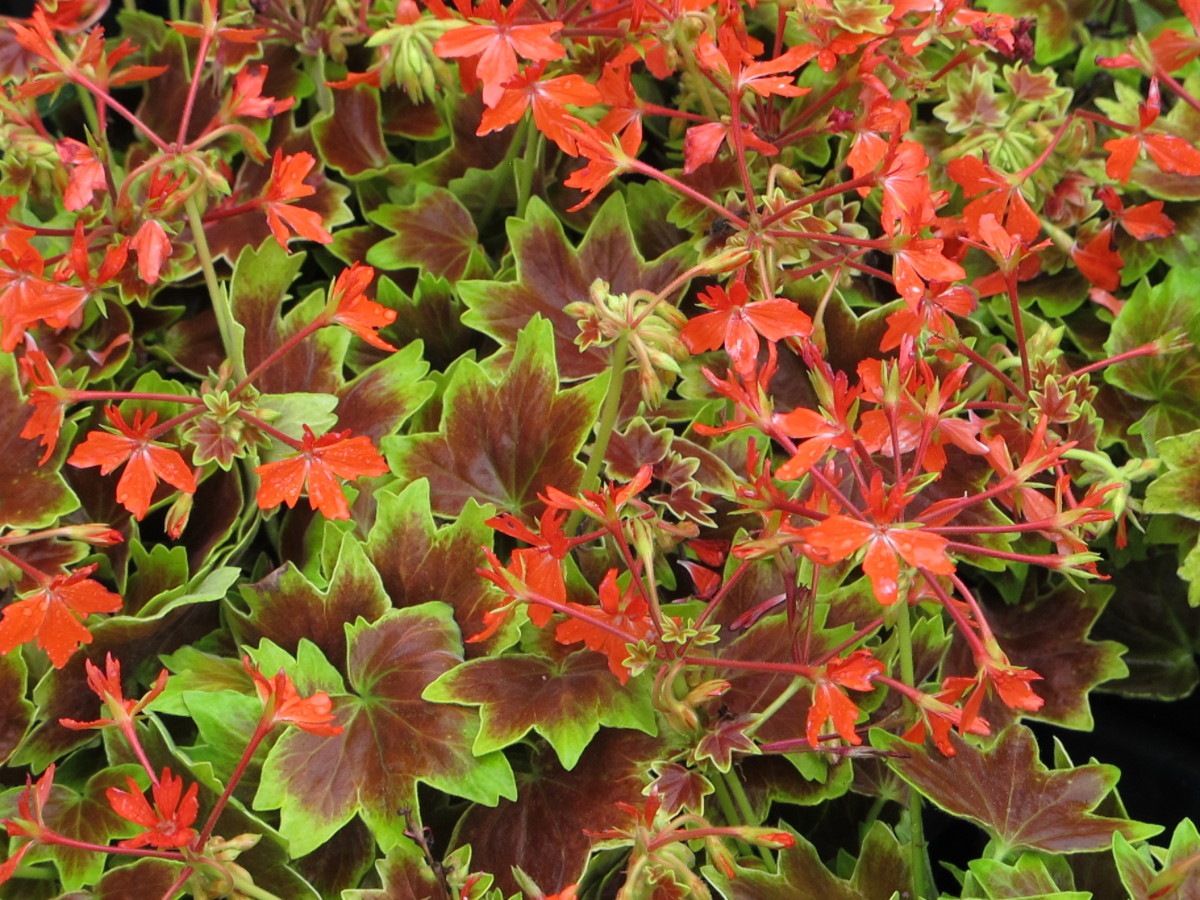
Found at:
<point>265,724</point>
<point>593,32</point>
<point>61,840</point>
<point>131,117</point>
<point>722,592</point>
<point>270,429</point>
<point>870,270</point>
<point>1092,116</point>
<point>36,574</point>
<point>1019,324</point>
<point>650,172</point>
<point>1049,560</point>
<point>859,635</point>
<point>655,110</point>
<point>178,883</point>
<point>311,328</point>
<point>987,366</point>
<point>1037,164</point>
<point>78,396</point>
<point>175,421</point>
<point>984,629</point>
<point>131,738</point>
<point>753,666</point>
<point>190,103</point>
<point>817,197</point>
<point>994,405</point>
<point>217,213</point>
<point>1181,92</point>
<point>739,150</point>
<point>812,108</point>
<point>964,625</point>
<point>831,262</point>
<point>1151,349</point>
<point>846,240</point>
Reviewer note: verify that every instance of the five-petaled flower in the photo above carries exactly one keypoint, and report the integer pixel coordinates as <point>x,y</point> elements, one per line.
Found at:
<point>167,823</point>
<point>282,703</point>
<point>737,324</point>
<point>350,306</point>
<point>52,614</point>
<point>285,185</point>
<point>146,461</point>
<point>321,461</point>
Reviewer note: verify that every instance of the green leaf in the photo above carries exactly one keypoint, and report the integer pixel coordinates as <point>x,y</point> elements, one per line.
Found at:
<point>1028,877</point>
<point>565,700</point>
<point>31,495</point>
<point>550,274</point>
<point>419,562</point>
<point>16,712</point>
<point>1175,876</point>
<point>83,815</point>
<point>391,739</point>
<point>1007,791</point>
<point>286,607</point>
<point>435,233</point>
<point>1170,380</point>
<point>1176,491</point>
<point>503,442</point>
<point>881,871</point>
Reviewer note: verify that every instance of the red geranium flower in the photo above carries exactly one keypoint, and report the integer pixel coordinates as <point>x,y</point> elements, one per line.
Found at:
<point>322,460</point>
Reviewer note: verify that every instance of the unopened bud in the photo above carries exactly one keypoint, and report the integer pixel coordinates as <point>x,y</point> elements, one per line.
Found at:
<point>178,515</point>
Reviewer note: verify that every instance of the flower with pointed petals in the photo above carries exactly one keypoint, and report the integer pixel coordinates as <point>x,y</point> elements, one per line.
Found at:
<point>349,305</point>
<point>321,461</point>
<point>53,615</point>
<point>167,823</point>
<point>147,461</point>
<point>497,40</point>
<point>738,324</point>
<point>285,185</point>
<point>283,704</point>
<point>48,399</point>
<point>107,686</point>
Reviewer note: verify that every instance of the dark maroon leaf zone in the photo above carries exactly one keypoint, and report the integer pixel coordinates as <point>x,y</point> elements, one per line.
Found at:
<point>419,562</point>
<point>1049,635</point>
<point>350,138</point>
<point>391,739</point>
<point>550,273</point>
<point>30,495</point>
<point>16,712</point>
<point>544,830</point>
<point>565,700</point>
<point>434,233</point>
<point>1009,792</point>
<point>286,607</point>
<point>503,441</point>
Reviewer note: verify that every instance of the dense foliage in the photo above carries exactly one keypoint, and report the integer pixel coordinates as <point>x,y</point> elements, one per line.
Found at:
<point>592,448</point>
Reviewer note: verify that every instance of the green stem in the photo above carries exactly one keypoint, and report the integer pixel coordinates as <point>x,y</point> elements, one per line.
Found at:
<point>919,862</point>
<point>220,300</point>
<point>608,421</point>
<point>526,166</point>
<point>742,802</point>
<point>728,810</point>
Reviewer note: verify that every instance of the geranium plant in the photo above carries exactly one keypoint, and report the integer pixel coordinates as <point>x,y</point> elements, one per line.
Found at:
<point>577,449</point>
